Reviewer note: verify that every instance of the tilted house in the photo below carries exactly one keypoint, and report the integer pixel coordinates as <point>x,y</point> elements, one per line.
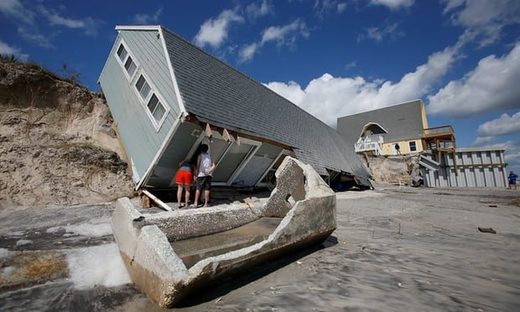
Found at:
<point>167,96</point>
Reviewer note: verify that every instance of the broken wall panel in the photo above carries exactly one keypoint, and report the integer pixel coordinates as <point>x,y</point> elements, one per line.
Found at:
<point>180,145</point>
<point>258,165</point>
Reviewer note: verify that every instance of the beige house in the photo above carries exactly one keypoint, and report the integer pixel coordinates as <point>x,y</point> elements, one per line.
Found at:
<point>400,129</point>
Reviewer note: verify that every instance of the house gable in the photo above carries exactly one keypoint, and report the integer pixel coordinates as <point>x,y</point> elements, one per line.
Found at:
<point>142,100</point>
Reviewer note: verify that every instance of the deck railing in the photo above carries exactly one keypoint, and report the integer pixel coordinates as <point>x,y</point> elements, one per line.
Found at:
<point>438,130</point>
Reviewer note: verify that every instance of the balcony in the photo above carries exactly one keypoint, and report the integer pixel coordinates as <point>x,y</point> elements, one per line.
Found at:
<point>441,139</point>
<point>438,132</point>
<point>370,143</point>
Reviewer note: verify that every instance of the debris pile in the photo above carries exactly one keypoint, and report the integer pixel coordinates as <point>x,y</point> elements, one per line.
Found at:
<point>399,170</point>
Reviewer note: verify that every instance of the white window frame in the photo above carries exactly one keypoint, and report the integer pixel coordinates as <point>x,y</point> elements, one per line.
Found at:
<point>144,102</point>
<point>283,153</point>
<point>122,62</point>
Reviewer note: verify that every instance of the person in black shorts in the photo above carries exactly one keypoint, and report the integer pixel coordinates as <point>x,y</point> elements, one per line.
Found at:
<point>205,167</point>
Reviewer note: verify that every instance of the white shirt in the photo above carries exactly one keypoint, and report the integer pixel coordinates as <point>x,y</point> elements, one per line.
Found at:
<point>205,165</point>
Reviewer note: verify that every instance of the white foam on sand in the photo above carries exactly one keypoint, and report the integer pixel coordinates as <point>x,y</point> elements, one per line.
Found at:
<point>23,242</point>
<point>84,229</point>
<point>4,253</point>
<point>95,266</point>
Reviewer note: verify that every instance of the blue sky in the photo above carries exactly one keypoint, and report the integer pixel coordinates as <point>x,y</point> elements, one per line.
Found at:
<point>332,58</point>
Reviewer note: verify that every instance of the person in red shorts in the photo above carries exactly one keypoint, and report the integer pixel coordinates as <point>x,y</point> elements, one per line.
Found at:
<point>184,179</point>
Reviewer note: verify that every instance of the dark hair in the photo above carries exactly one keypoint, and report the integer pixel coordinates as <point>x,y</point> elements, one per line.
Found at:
<point>204,148</point>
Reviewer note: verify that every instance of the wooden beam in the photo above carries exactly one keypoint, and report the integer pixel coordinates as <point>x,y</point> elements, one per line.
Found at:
<point>157,201</point>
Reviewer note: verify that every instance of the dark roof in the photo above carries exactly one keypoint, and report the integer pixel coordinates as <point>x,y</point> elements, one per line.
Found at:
<point>220,94</point>
<point>402,121</point>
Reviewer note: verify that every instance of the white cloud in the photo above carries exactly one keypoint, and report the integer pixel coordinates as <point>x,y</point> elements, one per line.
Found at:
<point>341,7</point>
<point>323,6</point>
<point>483,18</point>
<point>378,34</point>
<point>512,152</point>
<point>351,65</point>
<point>393,4</point>
<point>6,49</point>
<point>505,124</point>
<point>285,35</point>
<point>88,24</point>
<point>148,18</point>
<point>247,52</point>
<point>15,8</point>
<point>491,86</point>
<point>329,97</point>
<point>214,31</point>
<point>31,34</point>
<point>480,141</point>
<point>255,10</point>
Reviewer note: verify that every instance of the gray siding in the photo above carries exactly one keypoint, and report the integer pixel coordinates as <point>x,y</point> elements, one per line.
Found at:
<point>149,52</point>
<point>403,122</point>
<point>475,168</point>
<point>138,134</point>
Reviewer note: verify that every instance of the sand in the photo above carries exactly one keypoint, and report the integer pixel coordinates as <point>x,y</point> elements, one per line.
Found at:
<point>395,249</point>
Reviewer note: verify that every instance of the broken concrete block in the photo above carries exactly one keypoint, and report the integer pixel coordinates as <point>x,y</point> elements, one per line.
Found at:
<point>169,254</point>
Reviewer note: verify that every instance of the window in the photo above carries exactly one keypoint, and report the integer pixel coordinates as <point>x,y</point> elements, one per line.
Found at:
<point>130,66</point>
<point>126,60</point>
<point>412,145</point>
<point>156,108</point>
<point>121,52</point>
<point>143,87</point>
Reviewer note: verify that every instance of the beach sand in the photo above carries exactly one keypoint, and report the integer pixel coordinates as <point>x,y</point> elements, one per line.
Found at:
<point>395,249</point>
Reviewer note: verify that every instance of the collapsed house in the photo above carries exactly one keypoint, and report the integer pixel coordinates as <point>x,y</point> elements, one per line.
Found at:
<point>402,129</point>
<point>167,97</point>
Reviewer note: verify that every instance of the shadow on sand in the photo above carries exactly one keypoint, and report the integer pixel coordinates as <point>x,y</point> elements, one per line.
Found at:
<point>241,277</point>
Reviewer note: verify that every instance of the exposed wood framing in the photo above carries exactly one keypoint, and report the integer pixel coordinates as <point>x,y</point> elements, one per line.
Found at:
<point>157,201</point>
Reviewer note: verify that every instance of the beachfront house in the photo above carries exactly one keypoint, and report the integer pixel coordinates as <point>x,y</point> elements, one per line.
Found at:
<point>167,96</point>
<point>397,129</point>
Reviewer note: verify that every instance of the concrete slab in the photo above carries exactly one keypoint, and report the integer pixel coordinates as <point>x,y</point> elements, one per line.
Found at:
<point>218,240</point>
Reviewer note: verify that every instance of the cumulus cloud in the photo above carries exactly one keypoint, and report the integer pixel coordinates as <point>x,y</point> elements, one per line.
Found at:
<point>285,35</point>
<point>16,9</point>
<point>378,34</point>
<point>393,4</point>
<point>482,18</point>
<point>329,97</point>
<point>148,18</point>
<point>256,10</point>
<point>491,86</point>
<point>505,124</point>
<point>6,49</point>
<point>214,31</point>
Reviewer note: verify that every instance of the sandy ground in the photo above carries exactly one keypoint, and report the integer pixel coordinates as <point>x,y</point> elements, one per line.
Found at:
<point>395,249</point>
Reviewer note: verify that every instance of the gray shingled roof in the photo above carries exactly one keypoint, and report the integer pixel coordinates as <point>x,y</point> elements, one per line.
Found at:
<point>402,121</point>
<point>221,95</point>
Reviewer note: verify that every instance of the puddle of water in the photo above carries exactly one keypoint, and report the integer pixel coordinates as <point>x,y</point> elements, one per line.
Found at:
<point>195,249</point>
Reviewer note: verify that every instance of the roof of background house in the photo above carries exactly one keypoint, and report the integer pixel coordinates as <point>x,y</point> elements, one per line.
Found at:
<point>221,95</point>
<point>402,121</point>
